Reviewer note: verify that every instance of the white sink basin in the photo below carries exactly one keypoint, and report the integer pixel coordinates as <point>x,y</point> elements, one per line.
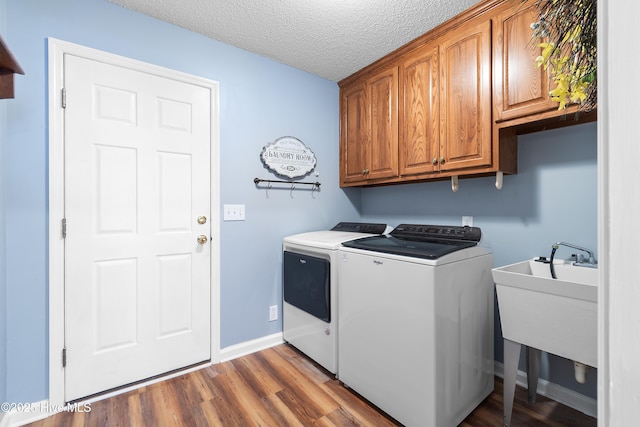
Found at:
<point>558,316</point>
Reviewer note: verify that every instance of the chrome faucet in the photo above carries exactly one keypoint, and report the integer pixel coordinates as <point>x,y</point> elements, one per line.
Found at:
<point>580,260</point>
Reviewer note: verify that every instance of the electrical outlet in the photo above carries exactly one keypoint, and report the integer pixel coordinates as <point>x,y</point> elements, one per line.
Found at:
<point>273,313</point>
<point>233,212</point>
<point>467,220</point>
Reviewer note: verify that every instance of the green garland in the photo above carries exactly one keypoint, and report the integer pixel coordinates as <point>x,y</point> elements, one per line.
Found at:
<point>570,26</point>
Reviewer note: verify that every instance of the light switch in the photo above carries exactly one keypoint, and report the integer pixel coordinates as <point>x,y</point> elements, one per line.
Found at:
<point>233,212</point>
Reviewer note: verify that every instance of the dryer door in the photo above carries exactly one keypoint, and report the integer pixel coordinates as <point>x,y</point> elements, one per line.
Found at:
<point>307,284</point>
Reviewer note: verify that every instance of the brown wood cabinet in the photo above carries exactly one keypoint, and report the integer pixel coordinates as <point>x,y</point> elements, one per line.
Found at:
<point>420,111</point>
<point>446,103</point>
<point>520,87</point>
<point>521,100</point>
<point>442,124</point>
<point>369,129</point>
<point>450,103</point>
<point>465,134</point>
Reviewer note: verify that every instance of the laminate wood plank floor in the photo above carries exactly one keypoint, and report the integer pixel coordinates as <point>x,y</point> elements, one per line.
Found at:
<point>280,386</point>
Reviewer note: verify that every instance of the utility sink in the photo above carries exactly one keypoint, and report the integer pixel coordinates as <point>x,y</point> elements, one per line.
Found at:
<point>558,316</point>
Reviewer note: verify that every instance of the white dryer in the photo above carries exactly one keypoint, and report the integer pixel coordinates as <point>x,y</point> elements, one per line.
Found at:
<point>310,289</point>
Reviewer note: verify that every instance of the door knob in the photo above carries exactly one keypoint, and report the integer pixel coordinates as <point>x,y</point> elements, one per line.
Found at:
<point>202,219</point>
<point>202,239</point>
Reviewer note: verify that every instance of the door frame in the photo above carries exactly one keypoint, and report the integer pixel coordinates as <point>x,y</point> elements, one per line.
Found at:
<point>56,51</point>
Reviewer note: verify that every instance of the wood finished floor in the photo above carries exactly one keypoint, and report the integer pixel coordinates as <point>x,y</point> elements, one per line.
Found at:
<point>279,386</point>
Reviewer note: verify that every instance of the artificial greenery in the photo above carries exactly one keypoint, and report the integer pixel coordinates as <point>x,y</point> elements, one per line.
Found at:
<point>570,28</point>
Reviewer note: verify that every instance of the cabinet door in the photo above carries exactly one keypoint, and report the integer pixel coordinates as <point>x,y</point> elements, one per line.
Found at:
<point>521,88</point>
<point>420,112</point>
<point>465,101</point>
<point>383,96</point>
<point>354,134</point>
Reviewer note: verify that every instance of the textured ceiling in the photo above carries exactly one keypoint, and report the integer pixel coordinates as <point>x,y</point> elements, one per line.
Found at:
<point>329,38</point>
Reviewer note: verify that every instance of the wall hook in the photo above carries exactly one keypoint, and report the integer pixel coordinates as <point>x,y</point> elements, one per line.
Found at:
<point>499,176</point>
<point>454,183</point>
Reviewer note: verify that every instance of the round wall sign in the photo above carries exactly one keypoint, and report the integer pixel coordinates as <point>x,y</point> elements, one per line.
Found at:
<point>288,156</point>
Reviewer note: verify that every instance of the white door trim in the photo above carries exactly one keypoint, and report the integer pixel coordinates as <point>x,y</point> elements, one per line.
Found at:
<point>56,51</point>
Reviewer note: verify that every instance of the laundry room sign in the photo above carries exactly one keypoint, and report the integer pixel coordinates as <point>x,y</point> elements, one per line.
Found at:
<point>288,156</point>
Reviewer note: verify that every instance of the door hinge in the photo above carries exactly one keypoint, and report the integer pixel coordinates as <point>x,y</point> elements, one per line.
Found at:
<point>64,357</point>
<point>64,228</point>
<point>64,98</point>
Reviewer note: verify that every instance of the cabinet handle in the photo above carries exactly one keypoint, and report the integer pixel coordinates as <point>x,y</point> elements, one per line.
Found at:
<point>365,171</point>
<point>434,161</point>
<point>442,160</point>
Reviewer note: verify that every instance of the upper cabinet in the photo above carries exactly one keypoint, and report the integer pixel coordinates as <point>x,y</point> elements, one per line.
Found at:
<point>369,129</point>
<point>445,104</point>
<point>420,111</point>
<point>465,98</point>
<point>520,88</point>
<point>450,103</point>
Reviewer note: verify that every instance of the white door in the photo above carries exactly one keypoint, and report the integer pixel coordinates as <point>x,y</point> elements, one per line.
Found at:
<point>137,193</point>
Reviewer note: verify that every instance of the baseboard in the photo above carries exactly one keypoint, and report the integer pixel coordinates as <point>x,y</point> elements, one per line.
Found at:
<point>566,396</point>
<point>248,347</point>
<point>26,413</point>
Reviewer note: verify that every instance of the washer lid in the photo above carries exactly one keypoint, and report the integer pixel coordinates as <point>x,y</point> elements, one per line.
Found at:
<point>420,241</point>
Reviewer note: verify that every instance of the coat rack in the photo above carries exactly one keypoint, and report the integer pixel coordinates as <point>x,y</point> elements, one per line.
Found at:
<point>270,182</point>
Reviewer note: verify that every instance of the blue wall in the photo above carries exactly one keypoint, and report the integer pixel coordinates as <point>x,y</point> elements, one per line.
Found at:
<point>260,100</point>
<point>3,210</point>
<point>552,198</point>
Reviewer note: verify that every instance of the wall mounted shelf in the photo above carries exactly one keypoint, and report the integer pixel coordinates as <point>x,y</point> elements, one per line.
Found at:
<point>8,67</point>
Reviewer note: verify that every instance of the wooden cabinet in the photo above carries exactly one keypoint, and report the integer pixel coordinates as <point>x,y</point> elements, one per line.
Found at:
<point>442,124</point>
<point>451,102</point>
<point>420,112</point>
<point>446,103</point>
<point>465,134</point>
<point>354,133</point>
<point>520,88</point>
<point>369,129</point>
<point>521,100</point>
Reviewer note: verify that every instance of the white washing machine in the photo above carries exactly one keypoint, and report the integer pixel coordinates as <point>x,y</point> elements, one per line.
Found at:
<point>416,322</point>
<point>310,289</point>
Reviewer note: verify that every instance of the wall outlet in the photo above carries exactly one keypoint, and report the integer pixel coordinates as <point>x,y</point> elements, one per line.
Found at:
<point>273,313</point>
<point>467,220</point>
<point>233,212</point>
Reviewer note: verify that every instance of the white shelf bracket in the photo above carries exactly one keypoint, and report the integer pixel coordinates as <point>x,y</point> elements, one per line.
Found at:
<point>499,176</point>
<point>454,183</point>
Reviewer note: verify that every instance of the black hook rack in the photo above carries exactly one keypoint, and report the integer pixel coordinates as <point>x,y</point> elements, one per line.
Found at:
<point>315,185</point>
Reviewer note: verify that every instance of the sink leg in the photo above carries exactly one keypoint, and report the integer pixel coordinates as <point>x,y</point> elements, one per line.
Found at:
<point>511,359</point>
<point>533,370</point>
